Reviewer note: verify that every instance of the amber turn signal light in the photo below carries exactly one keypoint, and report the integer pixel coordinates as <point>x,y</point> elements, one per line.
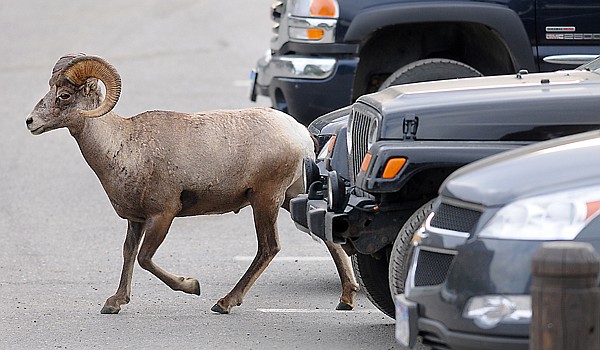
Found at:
<point>592,209</point>
<point>331,144</point>
<point>393,167</point>
<point>315,33</point>
<point>366,160</point>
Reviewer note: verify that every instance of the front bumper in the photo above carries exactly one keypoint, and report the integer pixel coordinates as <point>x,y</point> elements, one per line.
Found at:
<point>455,332</point>
<point>298,84</point>
<point>438,336</point>
<point>362,223</point>
<point>445,274</point>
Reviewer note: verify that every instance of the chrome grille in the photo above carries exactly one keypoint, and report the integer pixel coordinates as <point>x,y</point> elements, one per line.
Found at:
<point>359,133</point>
<point>449,217</point>
<point>431,268</point>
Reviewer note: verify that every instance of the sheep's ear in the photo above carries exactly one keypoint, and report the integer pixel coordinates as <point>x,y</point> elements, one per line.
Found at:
<point>90,85</point>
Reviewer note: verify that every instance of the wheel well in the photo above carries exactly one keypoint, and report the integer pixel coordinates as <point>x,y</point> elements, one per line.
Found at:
<point>390,48</point>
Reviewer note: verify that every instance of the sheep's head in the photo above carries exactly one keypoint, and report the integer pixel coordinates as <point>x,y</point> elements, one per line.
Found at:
<point>74,93</point>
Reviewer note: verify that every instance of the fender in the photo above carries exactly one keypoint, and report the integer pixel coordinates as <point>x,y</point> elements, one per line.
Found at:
<point>423,155</point>
<point>500,18</point>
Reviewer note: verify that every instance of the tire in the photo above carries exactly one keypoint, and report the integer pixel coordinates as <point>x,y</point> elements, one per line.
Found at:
<point>402,250</point>
<point>372,275</point>
<point>401,253</point>
<point>429,70</point>
<point>383,278</point>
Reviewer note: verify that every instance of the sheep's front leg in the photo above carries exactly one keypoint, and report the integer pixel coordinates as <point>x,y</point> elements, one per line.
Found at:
<point>156,231</point>
<point>344,269</point>
<point>265,223</point>
<point>113,304</point>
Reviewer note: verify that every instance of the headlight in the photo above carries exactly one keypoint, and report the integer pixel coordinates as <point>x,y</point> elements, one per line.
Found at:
<point>349,137</point>
<point>327,148</point>
<point>313,20</point>
<point>557,216</point>
<point>314,8</point>
<point>487,311</point>
<point>373,133</point>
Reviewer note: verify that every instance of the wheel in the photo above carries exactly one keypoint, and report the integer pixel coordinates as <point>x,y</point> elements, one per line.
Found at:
<point>372,275</point>
<point>402,250</point>
<point>428,70</point>
<point>380,277</point>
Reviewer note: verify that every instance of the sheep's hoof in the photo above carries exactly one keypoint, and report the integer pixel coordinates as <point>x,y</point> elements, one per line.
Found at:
<point>344,307</point>
<point>196,287</point>
<point>219,309</point>
<point>110,309</point>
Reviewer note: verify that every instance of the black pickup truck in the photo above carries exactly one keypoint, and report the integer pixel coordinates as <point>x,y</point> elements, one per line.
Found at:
<point>326,53</point>
<point>387,154</point>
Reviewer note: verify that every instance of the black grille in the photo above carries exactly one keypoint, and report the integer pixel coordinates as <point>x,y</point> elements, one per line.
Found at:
<point>453,218</point>
<point>431,268</point>
<point>359,131</point>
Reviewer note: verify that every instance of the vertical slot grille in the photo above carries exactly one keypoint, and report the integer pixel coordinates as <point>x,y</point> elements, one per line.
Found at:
<point>361,120</point>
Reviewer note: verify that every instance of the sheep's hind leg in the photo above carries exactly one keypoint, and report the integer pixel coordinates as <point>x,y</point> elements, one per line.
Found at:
<point>344,268</point>
<point>265,222</point>
<point>156,231</point>
<point>113,304</point>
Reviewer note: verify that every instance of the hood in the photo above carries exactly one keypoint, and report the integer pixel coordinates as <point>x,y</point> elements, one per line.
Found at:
<point>527,107</point>
<point>482,83</point>
<point>546,167</point>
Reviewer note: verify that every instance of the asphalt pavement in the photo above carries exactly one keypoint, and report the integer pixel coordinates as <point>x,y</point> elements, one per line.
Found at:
<point>60,250</point>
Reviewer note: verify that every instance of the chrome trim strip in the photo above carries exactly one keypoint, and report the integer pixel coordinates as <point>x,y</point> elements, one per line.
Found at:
<point>569,59</point>
<point>439,250</point>
<point>465,205</point>
<point>441,231</point>
<point>327,25</point>
<point>410,278</point>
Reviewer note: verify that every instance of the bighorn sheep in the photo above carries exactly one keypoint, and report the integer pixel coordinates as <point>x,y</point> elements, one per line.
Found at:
<point>159,165</point>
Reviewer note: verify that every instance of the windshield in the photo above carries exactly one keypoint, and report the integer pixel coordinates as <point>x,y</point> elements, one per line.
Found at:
<point>593,65</point>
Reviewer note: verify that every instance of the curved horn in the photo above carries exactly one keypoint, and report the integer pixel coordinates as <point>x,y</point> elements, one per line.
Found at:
<point>83,67</point>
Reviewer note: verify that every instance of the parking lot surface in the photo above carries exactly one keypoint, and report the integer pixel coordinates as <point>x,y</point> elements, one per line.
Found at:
<point>60,255</point>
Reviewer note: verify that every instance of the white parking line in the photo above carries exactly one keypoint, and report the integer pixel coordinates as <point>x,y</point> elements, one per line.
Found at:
<point>306,311</point>
<point>241,83</point>
<point>286,258</point>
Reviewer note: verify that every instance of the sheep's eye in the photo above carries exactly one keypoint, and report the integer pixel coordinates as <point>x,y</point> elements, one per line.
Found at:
<point>64,96</point>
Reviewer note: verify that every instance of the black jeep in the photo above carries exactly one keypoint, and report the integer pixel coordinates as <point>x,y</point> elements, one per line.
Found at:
<point>387,154</point>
